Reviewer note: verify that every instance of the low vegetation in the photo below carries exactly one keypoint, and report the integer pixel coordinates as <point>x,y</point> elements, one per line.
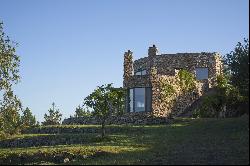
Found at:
<point>186,141</point>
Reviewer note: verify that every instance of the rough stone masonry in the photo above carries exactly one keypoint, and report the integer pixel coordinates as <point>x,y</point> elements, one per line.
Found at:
<point>143,80</point>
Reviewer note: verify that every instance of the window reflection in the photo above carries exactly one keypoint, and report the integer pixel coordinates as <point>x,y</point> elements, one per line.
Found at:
<point>201,73</point>
<point>131,101</point>
<point>139,99</point>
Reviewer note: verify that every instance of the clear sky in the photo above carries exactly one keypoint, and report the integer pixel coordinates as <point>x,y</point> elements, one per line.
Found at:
<point>68,47</point>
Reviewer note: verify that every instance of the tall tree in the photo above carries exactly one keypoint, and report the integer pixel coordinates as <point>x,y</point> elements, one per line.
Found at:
<point>9,75</point>
<point>54,117</point>
<point>104,101</point>
<point>28,119</point>
<point>238,65</point>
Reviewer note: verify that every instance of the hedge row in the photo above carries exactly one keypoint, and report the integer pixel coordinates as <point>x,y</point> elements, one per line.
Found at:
<point>50,140</point>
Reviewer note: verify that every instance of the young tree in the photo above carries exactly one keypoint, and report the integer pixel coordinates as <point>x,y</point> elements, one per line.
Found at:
<point>104,101</point>
<point>28,120</point>
<point>54,117</point>
<point>9,75</point>
<point>238,65</point>
<point>81,112</point>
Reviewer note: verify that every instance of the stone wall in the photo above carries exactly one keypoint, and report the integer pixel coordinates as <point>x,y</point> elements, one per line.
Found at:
<point>136,118</point>
<point>175,103</point>
<point>167,63</point>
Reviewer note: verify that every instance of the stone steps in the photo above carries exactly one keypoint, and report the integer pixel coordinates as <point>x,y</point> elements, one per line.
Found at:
<point>187,112</point>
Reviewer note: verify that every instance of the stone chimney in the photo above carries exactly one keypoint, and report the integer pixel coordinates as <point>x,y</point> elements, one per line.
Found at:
<point>128,67</point>
<point>152,51</point>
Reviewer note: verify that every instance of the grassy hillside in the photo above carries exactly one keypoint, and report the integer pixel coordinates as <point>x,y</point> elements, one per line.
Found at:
<point>186,141</point>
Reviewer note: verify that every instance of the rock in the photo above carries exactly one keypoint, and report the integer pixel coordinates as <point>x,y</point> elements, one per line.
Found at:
<point>66,160</point>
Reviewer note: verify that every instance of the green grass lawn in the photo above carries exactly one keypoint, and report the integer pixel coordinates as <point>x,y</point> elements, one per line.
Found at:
<point>186,141</point>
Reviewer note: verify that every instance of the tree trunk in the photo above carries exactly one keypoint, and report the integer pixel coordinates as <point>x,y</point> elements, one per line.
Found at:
<point>103,129</point>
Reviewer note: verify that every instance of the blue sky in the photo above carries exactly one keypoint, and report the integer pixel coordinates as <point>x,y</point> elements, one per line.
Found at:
<point>68,47</point>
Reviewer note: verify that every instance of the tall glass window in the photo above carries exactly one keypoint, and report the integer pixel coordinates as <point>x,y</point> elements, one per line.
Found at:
<point>131,100</point>
<point>139,97</point>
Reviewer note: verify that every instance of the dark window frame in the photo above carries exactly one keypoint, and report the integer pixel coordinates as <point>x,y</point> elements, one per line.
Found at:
<point>145,99</point>
<point>140,72</point>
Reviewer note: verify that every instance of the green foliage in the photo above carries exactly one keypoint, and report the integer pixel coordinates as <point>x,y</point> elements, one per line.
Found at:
<point>81,112</point>
<point>222,81</point>
<point>224,102</point>
<point>10,123</point>
<point>9,75</point>
<point>167,89</point>
<point>210,108</point>
<point>238,65</point>
<point>28,119</point>
<point>118,100</point>
<point>187,80</point>
<point>105,101</point>
<point>54,117</point>
<point>186,83</point>
<point>9,62</point>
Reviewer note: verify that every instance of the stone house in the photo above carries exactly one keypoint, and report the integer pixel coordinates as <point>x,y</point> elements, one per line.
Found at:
<point>144,81</point>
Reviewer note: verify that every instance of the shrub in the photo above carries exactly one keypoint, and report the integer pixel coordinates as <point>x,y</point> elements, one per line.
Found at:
<point>224,103</point>
<point>187,80</point>
<point>210,107</point>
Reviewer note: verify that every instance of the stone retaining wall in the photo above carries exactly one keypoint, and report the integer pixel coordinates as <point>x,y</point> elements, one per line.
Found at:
<point>135,118</point>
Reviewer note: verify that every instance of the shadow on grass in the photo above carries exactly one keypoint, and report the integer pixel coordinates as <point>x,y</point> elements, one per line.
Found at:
<point>37,140</point>
<point>199,141</point>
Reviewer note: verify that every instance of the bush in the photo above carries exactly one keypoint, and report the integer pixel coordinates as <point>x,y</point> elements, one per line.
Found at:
<point>224,103</point>
<point>210,107</point>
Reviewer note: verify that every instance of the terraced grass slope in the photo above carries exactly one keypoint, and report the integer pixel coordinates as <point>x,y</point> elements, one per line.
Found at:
<point>186,141</point>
